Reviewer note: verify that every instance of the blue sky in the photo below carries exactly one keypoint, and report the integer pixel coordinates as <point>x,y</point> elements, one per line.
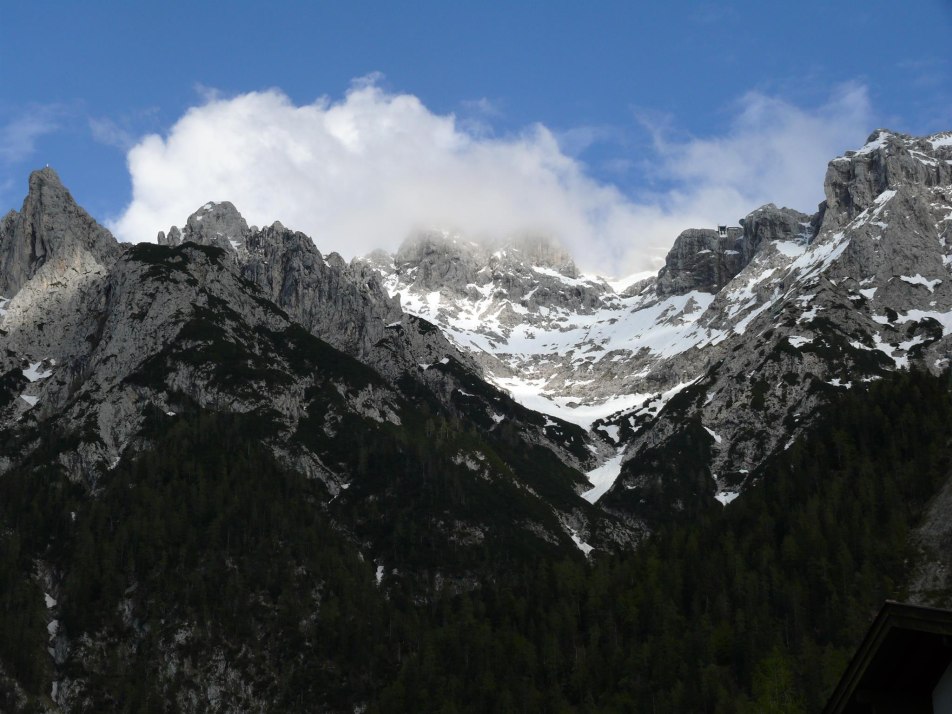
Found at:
<point>622,125</point>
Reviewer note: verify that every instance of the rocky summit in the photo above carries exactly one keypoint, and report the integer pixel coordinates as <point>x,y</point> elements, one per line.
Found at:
<point>238,474</point>
<point>750,327</point>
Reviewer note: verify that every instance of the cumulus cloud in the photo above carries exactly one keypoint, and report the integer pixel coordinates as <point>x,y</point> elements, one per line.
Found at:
<point>365,171</point>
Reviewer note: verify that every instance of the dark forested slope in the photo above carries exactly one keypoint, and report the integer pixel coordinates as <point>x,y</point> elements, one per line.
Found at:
<point>202,571</point>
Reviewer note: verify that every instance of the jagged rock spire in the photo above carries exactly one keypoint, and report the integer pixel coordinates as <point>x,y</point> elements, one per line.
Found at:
<point>50,225</point>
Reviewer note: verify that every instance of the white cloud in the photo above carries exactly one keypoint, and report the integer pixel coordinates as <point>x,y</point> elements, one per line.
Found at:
<point>483,105</point>
<point>362,172</point>
<point>18,135</point>
<point>774,151</point>
<point>109,132</point>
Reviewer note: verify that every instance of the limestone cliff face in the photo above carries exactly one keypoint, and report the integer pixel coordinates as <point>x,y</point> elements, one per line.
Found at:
<point>217,224</point>
<point>54,265</point>
<point>525,312</point>
<point>703,259</point>
<point>440,262</point>
<point>50,228</point>
<point>707,260</point>
<point>348,309</point>
<point>530,270</point>
<point>862,288</point>
<point>742,335</point>
<point>92,373</point>
<point>86,313</point>
<point>771,224</point>
<point>888,160</point>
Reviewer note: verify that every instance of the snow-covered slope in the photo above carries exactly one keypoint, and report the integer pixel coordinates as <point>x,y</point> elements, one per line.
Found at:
<point>762,319</point>
<point>560,342</point>
<point>100,340</point>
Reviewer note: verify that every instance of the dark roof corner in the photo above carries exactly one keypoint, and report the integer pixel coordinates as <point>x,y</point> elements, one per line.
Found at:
<point>906,653</point>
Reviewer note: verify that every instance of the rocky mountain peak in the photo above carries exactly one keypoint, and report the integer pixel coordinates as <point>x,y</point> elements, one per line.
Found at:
<point>541,251</point>
<point>43,178</point>
<point>321,292</point>
<point>448,262</point>
<point>438,260</point>
<point>50,226</point>
<point>706,259</point>
<point>703,259</point>
<point>218,224</point>
<point>888,161</point>
<point>769,223</point>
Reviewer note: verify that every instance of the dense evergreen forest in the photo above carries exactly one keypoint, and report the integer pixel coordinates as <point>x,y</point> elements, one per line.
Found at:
<point>204,547</point>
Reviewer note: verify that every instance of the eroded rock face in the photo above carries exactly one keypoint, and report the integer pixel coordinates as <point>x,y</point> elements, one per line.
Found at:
<point>82,329</point>
<point>742,335</point>
<point>863,290</point>
<point>217,224</point>
<point>703,259</point>
<point>769,223</point>
<point>527,273</point>
<point>168,332</point>
<point>805,304</point>
<point>888,160</point>
<point>49,227</point>
<point>526,313</point>
<point>707,260</point>
<point>173,238</point>
<point>343,305</point>
<point>454,266</point>
<point>438,262</point>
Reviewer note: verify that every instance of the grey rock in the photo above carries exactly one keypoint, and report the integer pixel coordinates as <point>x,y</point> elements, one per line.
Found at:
<point>740,338</point>
<point>769,223</point>
<point>867,294</point>
<point>346,307</point>
<point>173,238</point>
<point>217,224</point>
<point>49,227</point>
<point>888,160</point>
<point>439,261</point>
<point>703,259</point>
<point>755,328</point>
<point>707,260</point>
<point>99,323</point>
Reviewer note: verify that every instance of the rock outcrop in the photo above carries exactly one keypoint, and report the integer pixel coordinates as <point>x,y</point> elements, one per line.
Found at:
<point>217,224</point>
<point>859,290</point>
<point>769,223</point>
<point>79,301</point>
<point>704,260</point>
<point>344,306</point>
<point>50,227</point>
<point>342,377</point>
<point>744,333</point>
<point>887,161</point>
